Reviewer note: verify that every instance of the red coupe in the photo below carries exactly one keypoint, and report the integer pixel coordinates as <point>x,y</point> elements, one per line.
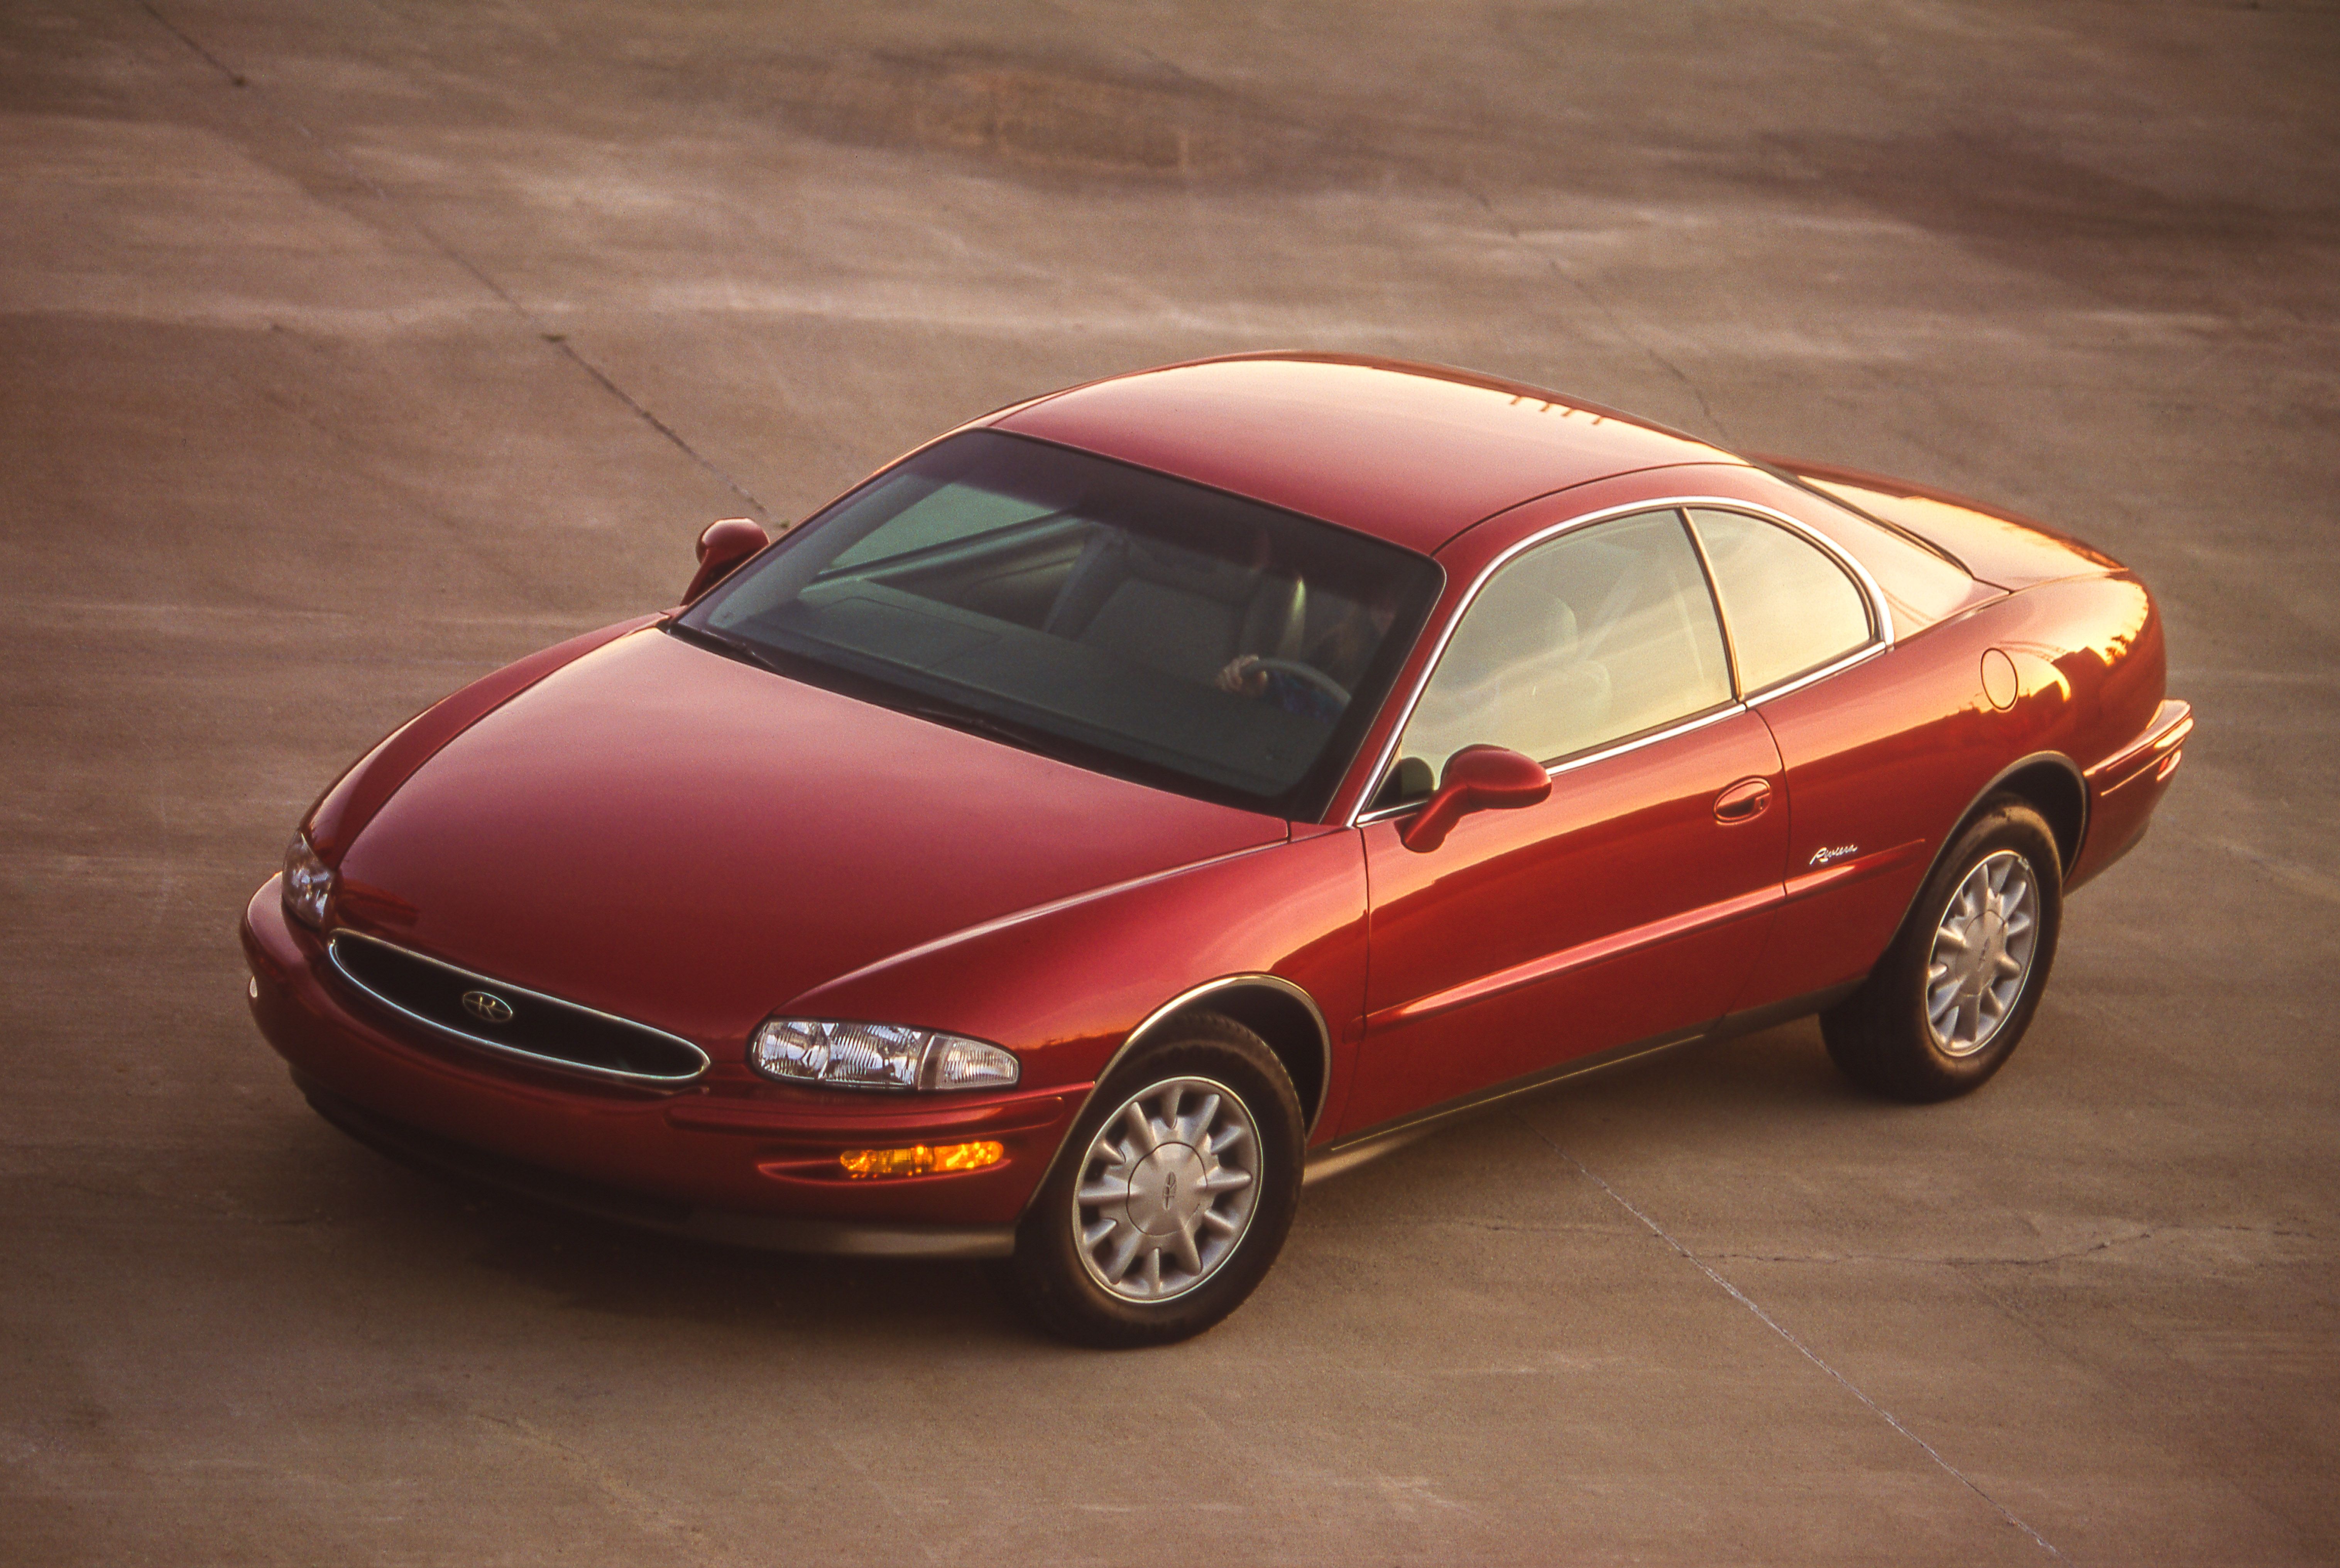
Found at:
<point>1148,795</point>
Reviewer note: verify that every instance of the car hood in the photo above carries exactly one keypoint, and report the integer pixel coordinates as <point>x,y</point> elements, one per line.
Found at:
<point>669,835</point>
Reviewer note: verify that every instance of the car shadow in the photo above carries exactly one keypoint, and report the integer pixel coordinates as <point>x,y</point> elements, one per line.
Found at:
<point>446,1226</point>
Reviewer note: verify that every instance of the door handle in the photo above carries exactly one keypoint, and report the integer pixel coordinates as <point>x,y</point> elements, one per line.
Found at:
<point>1743,801</point>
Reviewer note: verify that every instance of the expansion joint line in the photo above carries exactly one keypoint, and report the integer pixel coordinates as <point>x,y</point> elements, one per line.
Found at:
<point>1743,1299</point>
<point>558,341</point>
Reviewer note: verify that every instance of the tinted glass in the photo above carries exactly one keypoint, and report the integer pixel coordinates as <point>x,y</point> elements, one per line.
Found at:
<point>1790,606</point>
<point>1085,608</point>
<point>1919,585</point>
<point>1603,634</point>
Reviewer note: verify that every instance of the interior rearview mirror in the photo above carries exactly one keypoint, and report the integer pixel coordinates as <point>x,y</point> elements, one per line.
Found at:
<point>723,546</point>
<point>1477,779</point>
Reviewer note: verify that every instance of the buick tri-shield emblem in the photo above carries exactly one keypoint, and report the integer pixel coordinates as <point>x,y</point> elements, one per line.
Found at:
<point>487,1007</point>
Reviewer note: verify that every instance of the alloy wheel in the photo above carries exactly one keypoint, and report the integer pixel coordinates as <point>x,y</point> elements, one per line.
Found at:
<point>1166,1189</point>
<point>1982,952</point>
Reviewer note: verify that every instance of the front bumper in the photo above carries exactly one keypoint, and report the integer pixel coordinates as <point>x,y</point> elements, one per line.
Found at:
<point>731,1159</point>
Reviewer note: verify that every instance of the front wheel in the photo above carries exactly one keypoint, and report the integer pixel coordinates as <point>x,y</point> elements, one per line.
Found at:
<point>1174,1193</point>
<point>1947,1005</point>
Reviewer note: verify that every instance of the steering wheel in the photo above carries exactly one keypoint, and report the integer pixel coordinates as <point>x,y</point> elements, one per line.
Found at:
<point>1307,673</point>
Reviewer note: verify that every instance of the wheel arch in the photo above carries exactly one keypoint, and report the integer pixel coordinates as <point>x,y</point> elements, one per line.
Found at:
<point>1279,1012</point>
<point>1271,1007</point>
<point>2050,783</point>
<point>2054,785</point>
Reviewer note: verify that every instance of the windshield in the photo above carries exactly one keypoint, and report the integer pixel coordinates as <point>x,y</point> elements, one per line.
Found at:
<point>1080,606</point>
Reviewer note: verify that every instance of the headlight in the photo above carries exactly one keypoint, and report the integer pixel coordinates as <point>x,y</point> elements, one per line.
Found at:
<point>877,1057</point>
<point>308,882</point>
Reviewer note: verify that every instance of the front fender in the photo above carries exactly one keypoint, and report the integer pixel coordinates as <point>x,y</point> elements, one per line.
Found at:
<point>1063,987</point>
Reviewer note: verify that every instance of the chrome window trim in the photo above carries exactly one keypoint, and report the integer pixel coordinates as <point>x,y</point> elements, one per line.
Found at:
<point>1797,683</point>
<point>1881,632</point>
<point>500,1047</point>
<point>1714,598</point>
<point>1880,617</point>
<point>1569,764</point>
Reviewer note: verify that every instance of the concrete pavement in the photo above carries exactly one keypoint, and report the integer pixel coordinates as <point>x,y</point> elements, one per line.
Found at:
<point>350,350</point>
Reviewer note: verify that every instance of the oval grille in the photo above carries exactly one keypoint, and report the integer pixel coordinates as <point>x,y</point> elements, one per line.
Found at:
<point>512,1019</point>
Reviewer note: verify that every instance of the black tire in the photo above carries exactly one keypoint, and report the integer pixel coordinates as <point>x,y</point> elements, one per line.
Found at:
<point>1193,1058</point>
<point>1884,1038</point>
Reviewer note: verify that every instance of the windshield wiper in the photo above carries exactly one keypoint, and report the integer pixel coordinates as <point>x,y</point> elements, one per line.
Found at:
<point>738,648</point>
<point>978,724</point>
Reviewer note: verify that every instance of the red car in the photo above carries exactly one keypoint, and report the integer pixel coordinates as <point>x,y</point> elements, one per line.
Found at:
<point>1151,793</point>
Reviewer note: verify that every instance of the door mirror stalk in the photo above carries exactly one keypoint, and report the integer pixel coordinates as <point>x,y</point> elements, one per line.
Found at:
<point>1477,779</point>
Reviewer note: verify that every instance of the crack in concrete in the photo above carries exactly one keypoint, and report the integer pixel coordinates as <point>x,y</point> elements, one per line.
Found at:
<point>1615,317</point>
<point>1386,1228</point>
<point>1743,1299</point>
<point>1945,1262</point>
<point>634,1503</point>
<point>558,342</point>
<point>216,1206</point>
<point>2299,879</point>
<point>234,77</point>
<point>2097,1246</point>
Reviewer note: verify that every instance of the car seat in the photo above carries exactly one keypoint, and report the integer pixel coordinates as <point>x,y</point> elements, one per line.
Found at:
<point>1175,609</point>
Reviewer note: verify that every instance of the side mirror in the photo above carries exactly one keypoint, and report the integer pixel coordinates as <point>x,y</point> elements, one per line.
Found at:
<point>723,546</point>
<point>1478,778</point>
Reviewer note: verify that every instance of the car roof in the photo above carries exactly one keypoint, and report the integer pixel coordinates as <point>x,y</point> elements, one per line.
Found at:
<point>1412,453</point>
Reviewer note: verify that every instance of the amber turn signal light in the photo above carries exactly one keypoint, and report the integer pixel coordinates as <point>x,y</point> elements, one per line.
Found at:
<point>921,1160</point>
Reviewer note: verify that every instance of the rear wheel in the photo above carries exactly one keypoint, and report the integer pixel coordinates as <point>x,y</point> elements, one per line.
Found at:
<point>1951,999</point>
<point>1172,1196</point>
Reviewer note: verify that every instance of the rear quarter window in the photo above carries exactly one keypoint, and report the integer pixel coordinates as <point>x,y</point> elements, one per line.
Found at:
<point>1919,586</point>
<point>1789,606</point>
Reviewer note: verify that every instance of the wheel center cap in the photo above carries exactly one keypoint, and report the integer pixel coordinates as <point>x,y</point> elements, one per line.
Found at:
<point>1166,1190</point>
<point>1986,942</point>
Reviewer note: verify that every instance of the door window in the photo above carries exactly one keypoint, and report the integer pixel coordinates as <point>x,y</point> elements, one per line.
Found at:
<point>1604,633</point>
<point>1790,606</point>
